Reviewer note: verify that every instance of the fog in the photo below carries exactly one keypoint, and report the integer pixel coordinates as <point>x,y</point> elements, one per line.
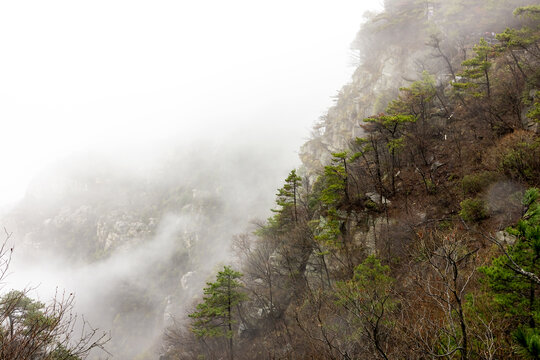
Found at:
<point>155,131</point>
<point>112,294</point>
<point>111,73</point>
<point>135,240</point>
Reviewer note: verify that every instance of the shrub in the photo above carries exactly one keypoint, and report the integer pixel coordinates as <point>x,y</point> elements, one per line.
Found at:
<point>517,155</point>
<point>521,161</point>
<point>473,210</point>
<point>475,183</point>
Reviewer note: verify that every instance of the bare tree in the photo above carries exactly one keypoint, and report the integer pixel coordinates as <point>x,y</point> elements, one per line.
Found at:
<point>443,275</point>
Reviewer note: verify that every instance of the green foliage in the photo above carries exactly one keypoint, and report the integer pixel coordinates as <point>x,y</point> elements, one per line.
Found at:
<point>514,293</point>
<point>521,160</point>
<point>369,277</point>
<point>286,196</point>
<point>473,210</point>
<point>391,123</point>
<point>479,64</point>
<point>214,316</point>
<point>328,230</point>
<point>528,341</point>
<point>369,289</point>
<point>395,144</point>
<point>388,131</point>
<point>287,213</point>
<point>402,143</point>
<point>415,99</point>
<point>333,194</point>
<point>29,328</point>
<point>287,199</point>
<point>391,130</point>
<point>335,180</point>
<point>512,288</point>
<point>530,202</point>
<point>476,71</point>
<point>531,11</point>
<point>475,183</point>
<point>517,38</point>
<point>534,112</point>
<point>363,149</point>
<point>26,313</point>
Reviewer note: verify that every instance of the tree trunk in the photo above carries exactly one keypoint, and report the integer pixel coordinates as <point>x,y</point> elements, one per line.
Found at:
<point>229,320</point>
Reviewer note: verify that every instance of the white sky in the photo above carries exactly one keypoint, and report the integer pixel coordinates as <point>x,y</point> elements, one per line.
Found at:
<point>80,74</point>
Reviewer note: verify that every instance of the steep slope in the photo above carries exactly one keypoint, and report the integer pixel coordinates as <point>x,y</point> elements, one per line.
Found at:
<point>413,231</point>
<point>394,48</point>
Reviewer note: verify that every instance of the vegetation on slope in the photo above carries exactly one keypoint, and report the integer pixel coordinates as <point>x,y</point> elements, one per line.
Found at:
<point>413,231</point>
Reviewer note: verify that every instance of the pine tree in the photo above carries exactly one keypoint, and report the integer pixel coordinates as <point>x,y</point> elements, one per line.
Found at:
<point>336,181</point>
<point>476,70</point>
<point>214,316</point>
<point>287,196</point>
<point>515,293</point>
<point>390,130</point>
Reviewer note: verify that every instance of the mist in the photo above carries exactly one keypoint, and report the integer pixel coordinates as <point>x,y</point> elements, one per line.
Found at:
<point>122,73</point>
<point>140,137</point>
<point>136,240</point>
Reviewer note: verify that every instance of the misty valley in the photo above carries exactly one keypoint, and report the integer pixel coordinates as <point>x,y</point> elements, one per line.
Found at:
<point>406,226</point>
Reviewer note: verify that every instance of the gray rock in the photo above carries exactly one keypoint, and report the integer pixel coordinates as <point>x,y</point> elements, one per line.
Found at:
<point>376,198</point>
<point>504,237</point>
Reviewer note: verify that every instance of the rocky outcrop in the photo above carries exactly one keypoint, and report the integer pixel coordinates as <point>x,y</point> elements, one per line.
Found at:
<point>119,228</point>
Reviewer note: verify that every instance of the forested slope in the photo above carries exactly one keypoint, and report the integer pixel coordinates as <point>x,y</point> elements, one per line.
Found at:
<point>412,229</point>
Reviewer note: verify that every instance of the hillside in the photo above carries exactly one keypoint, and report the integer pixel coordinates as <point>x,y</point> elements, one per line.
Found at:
<point>411,230</point>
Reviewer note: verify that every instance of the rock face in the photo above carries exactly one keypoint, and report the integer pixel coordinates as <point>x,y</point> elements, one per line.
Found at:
<point>119,228</point>
<point>505,238</point>
<point>373,85</point>
<point>394,49</point>
<point>82,229</point>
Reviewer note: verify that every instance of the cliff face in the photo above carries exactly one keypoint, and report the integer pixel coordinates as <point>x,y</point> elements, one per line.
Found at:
<point>394,48</point>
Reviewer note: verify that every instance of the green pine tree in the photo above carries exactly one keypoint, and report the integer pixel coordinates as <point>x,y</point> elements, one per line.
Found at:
<point>476,71</point>
<point>336,180</point>
<point>333,195</point>
<point>514,292</point>
<point>214,316</point>
<point>390,130</point>
<point>416,100</point>
<point>528,341</point>
<point>287,196</point>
